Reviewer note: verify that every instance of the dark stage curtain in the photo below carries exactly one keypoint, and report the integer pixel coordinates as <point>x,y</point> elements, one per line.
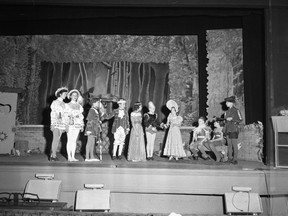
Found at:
<point>254,68</point>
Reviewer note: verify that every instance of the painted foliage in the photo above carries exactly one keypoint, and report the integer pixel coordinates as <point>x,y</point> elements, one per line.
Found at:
<point>138,68</point>
<point>130,80</point>
<point>225,69</point>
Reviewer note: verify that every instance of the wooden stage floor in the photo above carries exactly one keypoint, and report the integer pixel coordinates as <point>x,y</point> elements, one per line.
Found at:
<point>157,163</point>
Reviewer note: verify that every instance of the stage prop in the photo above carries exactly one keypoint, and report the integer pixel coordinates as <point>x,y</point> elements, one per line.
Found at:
<point>241,201</point>
<point>250,140</point>
<point>94,198</point>
<point>8,105</point>
<point>280,126</point>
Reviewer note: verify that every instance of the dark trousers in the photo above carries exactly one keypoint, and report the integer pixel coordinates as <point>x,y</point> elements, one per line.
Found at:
<point>232,148</point>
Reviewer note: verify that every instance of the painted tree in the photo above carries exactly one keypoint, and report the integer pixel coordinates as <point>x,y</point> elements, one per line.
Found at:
<point>225,54</point>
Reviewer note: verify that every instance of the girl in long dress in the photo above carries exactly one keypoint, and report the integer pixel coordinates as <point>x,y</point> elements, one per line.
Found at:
<point>136,149</point>
<point>76,123</point>
<point>174,146</point>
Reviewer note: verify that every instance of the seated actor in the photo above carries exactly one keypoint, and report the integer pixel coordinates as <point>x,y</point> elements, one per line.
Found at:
<point>201,134</point>
<point>217,139</point>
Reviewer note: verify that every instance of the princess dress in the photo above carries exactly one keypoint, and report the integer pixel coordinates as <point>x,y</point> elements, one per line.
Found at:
<point>174,145</point>
<point>136,150</point>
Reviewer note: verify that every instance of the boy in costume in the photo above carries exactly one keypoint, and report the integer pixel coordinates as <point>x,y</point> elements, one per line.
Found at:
<point>231,129</point>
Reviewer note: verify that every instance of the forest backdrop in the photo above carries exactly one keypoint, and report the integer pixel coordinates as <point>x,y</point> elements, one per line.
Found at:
<point>138,68</point>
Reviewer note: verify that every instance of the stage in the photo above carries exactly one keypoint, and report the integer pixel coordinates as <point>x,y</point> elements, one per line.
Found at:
<point>158,186</point>
<point>39,159</point>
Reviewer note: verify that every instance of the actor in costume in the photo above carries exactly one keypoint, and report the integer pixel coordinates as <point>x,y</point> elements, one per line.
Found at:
<point>136,149</point>
<point>58,124</point>
<point>76,123</point>
<point>233,117</point>
<point>150,123</point>
<point>174,146</point>
<point>120,128</point>
<point>93,130</point>
<point>217,140</point>
<point>201,134</point>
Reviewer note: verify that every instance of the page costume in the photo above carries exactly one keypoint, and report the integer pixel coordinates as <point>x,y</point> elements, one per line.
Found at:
<point>58,117</point>
<point>75,124</point>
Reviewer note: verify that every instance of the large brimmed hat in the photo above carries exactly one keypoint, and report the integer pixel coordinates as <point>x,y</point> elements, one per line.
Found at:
<point>64,89</point>
<point>172,103</point>
<point>72,91</point>
<point>121,100</point>
<point>231,99</point>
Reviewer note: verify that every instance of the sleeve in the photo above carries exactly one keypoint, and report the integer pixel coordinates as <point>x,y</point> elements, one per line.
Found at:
<point>53,114</point>
<point>156,122</point>
<point>237,117</point>
<point>127,120</point>
<point>81,116</point>
<point>132,119</point>
<point>66,115</point>
<point>89,119</point>
<point>169,119</point>
<point>109,115</point>
<point>179,121</point>
<point>146,120</point>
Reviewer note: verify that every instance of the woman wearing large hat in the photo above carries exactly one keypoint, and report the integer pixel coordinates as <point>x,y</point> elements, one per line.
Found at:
<point>174,146</point>
<point>57,117</point>
<point>76,123</point>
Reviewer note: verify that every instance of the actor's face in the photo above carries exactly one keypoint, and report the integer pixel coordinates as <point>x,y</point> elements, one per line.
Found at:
<point>151,108</point>
<point>74,96</point>
<point>229,104</point>
<point>140,108</point>
<point>121,105</point>
<point>216,124</point>
<point>201,121</point>
<point>173,110</point>
<point>95,104</point>
<point>63,95</point>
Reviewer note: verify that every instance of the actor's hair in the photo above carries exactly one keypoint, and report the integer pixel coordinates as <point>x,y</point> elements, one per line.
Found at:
<point>60,92</point>
<point>137,105</point>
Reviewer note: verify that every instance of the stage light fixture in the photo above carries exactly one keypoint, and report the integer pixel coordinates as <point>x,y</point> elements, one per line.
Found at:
<point>94,186</point>
<point>45,176</point>
<point>241,189</point>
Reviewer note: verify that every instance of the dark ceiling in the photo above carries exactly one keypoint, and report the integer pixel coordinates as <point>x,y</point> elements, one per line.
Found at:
<point>55,19</point>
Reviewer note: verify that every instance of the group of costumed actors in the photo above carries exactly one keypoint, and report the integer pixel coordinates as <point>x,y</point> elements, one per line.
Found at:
<point>69,117</point>
<point>66,117</point>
